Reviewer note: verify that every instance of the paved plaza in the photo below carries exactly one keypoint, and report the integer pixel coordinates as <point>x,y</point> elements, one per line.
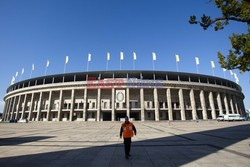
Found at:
<point>206,143</point>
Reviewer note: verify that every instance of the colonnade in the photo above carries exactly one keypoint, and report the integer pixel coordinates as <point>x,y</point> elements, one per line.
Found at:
<point>83,104</point>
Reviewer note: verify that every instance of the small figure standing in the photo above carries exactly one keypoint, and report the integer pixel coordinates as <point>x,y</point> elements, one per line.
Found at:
<point>197,119</point>
<point>127,131</point>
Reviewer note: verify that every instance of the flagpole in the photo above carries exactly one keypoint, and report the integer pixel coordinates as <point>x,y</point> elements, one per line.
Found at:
<point>45,71</point>
<point>88,66</point>
<point>213,71</point>
<point>120,64</point>
<point>107,66</point>
<point>153,65</point>
<point>197,70</point>
<point>64,67</point>
<point>21,76</point>
<point>133,64</point>
<point>31,73</point>
<point>177,66</point>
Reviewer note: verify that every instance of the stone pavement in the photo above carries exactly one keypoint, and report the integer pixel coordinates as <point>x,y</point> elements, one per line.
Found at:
<point>206,143</point>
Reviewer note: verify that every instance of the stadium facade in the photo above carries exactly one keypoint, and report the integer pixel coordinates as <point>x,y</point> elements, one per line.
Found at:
<point>111,95</point>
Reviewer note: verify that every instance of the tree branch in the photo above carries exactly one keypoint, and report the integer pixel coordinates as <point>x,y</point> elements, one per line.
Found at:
<point>227,18</point>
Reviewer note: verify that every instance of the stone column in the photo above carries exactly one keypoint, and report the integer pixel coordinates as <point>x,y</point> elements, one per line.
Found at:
<point>243,109</point>
<point>239,106</point>
<point>219,103</point>
<point>156,104</point>
<point>4,109</point>
<point>236,105</point>
<point>226,104</point>
<point>49,107</point>
<point>72,105</point>
<point>113,105</point>
<point>31,106</point>
<point>24,104</point>
<point>39,107</point>
<point>7,101</point>
<point>9,109</point>
<point>127,102</point>
<point>98,104</point>
<point>211,102</point>
<point>17,107</point>
<point>244,113</point>
<point>203,105</point>
<point>142,104</point>
<point>193,105</point>
<point>85,105</point>
<point>59,116</point>
<point>181,100</point>
<point>170,110</point>
<point>13,108</point>
<point>231,104</point>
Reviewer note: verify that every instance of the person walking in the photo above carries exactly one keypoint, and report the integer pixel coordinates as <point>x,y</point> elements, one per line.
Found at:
<point>127,131</point>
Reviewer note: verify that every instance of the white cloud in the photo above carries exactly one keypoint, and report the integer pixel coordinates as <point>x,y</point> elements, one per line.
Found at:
<point>1,106</point>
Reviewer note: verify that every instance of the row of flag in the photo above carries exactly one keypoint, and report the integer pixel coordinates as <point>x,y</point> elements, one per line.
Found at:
<point>122,57</point>
<point>177,58</point>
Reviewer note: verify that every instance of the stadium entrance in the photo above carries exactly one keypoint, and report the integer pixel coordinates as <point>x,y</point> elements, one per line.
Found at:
<point>120,115</point>
<point>106,116</point>
<point>135,115</point>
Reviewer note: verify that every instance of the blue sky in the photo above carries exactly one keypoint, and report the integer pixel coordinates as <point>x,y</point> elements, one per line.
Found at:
<point>37,30</point>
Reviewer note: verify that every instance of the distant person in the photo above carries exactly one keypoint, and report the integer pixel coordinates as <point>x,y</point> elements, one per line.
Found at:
<point>197,118</point>
<point>127,131</point>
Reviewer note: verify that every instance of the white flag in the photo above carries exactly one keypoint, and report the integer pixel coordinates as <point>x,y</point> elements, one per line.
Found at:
<point>153,55</point>
<point>16,73</point>
<point>197,60</point>
<point>108,56</point>
<point>212,64</point>
<point>89,57</point>
<point>121,56</point>
<point>22,71</point>
<point>231,72</point>
<point>236,78</point>
<point>13,80</point>
<point>33,67</point>
<point>66,59</point>
<point>134,55</point>
<point>224,69</point>
<point>47,63</point>
<point>177,58</point>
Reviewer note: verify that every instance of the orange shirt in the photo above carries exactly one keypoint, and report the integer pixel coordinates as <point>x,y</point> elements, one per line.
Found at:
<point>127,130</point>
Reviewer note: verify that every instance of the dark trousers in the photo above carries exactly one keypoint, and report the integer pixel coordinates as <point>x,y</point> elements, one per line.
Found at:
<point>127,145</point>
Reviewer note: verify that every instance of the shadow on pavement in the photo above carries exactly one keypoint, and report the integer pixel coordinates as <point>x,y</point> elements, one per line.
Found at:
<point>21,140</point>
<point>175,150</point>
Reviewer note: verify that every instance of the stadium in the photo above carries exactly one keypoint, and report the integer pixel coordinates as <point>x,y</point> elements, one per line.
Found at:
<point>111,95</point>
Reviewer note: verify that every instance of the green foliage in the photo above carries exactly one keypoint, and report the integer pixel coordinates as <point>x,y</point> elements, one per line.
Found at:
<point>231,10</point>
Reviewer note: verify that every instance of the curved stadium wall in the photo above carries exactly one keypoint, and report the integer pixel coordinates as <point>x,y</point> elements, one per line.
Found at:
<point>111,95</point>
